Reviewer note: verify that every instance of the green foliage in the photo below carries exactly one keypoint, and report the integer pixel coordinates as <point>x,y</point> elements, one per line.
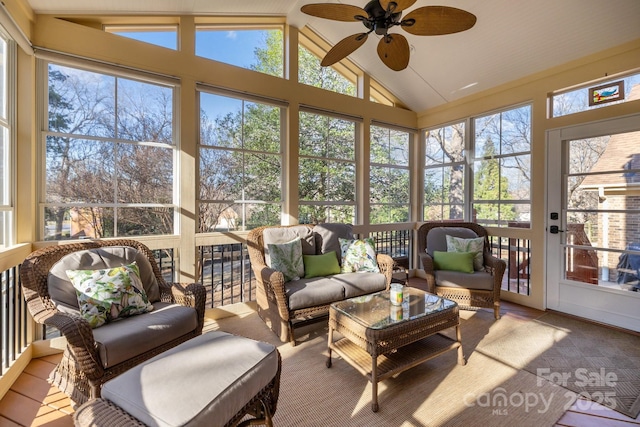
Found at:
<point>491,186</point>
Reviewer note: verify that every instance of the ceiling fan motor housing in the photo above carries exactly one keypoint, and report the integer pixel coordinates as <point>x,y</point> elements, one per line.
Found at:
<point>379,19</point>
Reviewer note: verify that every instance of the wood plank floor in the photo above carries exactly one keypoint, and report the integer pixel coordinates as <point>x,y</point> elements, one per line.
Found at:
<point>33,402</point>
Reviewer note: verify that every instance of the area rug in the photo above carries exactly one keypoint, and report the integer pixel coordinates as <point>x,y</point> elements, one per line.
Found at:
<point>591,361</point>
<point>438,392</point>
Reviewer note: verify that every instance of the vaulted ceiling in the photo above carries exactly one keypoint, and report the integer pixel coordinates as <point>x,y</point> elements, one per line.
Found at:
<point>511,39</point>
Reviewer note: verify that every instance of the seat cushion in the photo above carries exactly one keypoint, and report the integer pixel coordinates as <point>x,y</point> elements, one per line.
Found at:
<point>313,292</point>
<point>121,340</point>
<point>202,382</point>
<point>357,284</point>
<point>455,279</point>
<point>317,291</point>
<point>62,291</point>
<point>437,240</point>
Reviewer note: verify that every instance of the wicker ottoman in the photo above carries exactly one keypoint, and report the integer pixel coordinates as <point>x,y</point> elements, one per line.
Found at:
<point>216,379</point>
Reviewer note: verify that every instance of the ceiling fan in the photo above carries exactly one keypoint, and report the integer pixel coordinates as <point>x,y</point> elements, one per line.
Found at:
<point>380,16</point>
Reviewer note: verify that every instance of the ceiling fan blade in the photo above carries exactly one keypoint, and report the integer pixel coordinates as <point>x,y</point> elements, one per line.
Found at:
<point>344,48</point>
<point>393,50</point>
<point>335,11</point>
<point>400,4</point>
<point>438,20</point>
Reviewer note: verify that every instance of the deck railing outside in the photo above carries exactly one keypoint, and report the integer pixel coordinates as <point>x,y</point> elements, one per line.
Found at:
<point>517,253</point>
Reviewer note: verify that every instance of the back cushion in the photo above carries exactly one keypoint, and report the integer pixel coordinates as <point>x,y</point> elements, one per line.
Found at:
<point>61,289</point>
<point>278,235</point>
<point>327,236</point>
<point>437,240</point>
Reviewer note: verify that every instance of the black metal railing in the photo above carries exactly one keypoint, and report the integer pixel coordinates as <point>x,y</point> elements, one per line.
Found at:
<point>396,243</point>
<point>225,270</point>
<point>517,254</point>
<point>13,315</point>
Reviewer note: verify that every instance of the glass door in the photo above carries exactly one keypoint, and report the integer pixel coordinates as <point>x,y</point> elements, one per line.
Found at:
<point>593,221</point>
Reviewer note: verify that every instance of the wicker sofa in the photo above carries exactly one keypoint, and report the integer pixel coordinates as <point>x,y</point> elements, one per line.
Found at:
<point>95,355</point>
<point>286,305</point>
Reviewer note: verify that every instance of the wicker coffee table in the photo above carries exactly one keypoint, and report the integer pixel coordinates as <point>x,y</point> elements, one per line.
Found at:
<point>381,340</point>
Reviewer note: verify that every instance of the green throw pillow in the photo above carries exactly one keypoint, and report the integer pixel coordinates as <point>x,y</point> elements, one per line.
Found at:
<point>287,258</point>
<point>475,245</point>
<point>109,294</point>
<point>454,261</point>
<point>359,255</point>
<point>320,265</point>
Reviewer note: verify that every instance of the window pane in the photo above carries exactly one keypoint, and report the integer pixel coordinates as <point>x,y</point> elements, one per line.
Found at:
<point>516,171</point>
<point>145,112</point>
<point>81,102</point>
<point>262,177</point>
<point>145,174</point>
<point>316,214</point>
<point>3,78</point>
<point>220,174</point>
<point>73,223</point>
<point>141,221</point>
<point>261,130</point>
<point>79,171</point>
<point>164,36</point>
<point>255,49</point>
<point>311,73</point>
<point>5,168</point>
<point>516,130</point>
<point>487,141</point>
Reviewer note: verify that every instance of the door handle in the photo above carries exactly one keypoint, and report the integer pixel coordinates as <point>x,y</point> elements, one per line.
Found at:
<point>555,230</point>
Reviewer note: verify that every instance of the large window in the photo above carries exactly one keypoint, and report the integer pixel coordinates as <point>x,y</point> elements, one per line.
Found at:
<point>109,156</point>
<point>444,173</point>
<point>502,168</point>
<point>7,108</point>
<point>390,180</point>
<point>240,163</point>
<point>492,169</point>
<point>327,169</point>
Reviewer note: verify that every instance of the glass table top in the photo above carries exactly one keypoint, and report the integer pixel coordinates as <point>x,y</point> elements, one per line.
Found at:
<point>375,311</point>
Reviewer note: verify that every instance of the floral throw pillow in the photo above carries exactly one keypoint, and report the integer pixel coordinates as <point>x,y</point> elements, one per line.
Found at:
<point>359,255</point>
<point>109,294</point>
<point>287,258</point>
<point>476,245</point>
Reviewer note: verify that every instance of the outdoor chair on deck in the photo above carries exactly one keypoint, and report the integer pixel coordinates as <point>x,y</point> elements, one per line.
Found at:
<point>477,286</point>
<point>96,352</point>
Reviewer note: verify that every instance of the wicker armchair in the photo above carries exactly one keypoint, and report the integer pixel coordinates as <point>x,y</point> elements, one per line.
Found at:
<point>465,294</point>
<point>81,372</point>
<point>272,290</point>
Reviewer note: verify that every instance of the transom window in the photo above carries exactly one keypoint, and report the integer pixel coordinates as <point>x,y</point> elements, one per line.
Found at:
<point>159,35</point>
<point>254,48</point>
